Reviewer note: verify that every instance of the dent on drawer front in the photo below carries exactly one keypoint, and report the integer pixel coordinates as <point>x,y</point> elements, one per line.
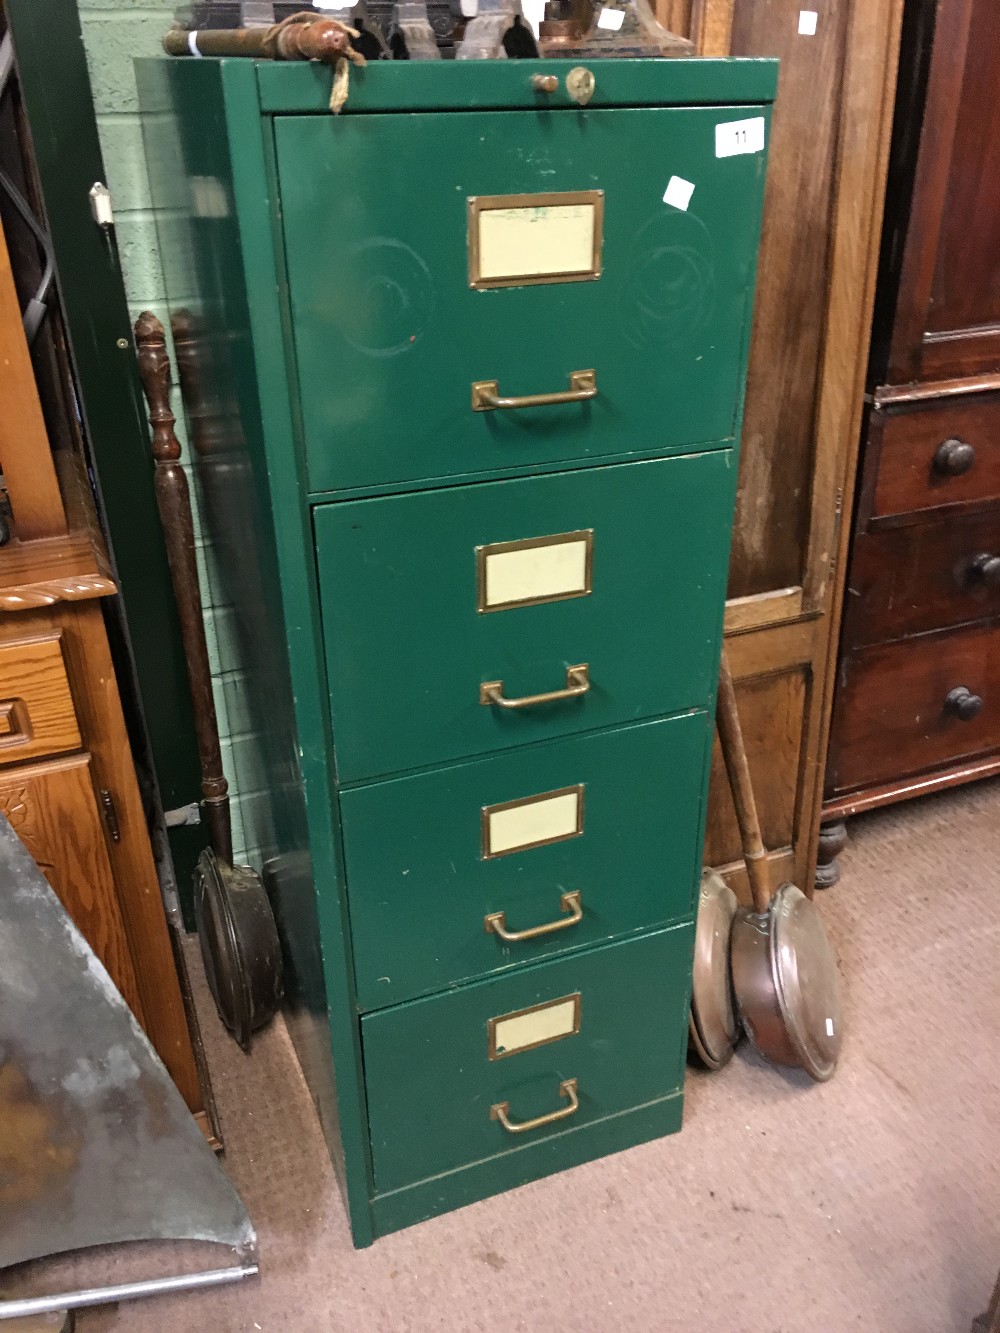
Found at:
<point>391,335</point>
<point>915,705</point>
<point>37,717</point>
<point>409,652</point>
<point>612,1021</point>
<point>619,828</point>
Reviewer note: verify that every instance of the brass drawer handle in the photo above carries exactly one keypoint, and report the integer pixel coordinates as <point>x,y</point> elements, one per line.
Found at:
<point>577,683</point>
<point>567,1089</point>
<point>486,394</point>
<point>496,922</point>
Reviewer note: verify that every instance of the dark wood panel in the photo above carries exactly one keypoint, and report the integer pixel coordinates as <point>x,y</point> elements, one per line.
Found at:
<point>966,288</point>
<point>923,577</point>
<point>772,522</point>
<point>772,712</point>
<point>911,482</point>
<point>891,715</point>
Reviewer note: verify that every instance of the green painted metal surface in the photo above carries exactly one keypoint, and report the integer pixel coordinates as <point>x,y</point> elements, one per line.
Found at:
<point>404,684</point>
<point>431,1083</point>
<point>420,888</point>
<point>498,84</point>
<point>381,292</point>
<point>366,649</point>
<point>55,86</point>
<point>533,1161</point>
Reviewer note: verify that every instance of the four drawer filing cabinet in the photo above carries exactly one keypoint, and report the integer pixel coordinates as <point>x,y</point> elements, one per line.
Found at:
<point>464,369</point>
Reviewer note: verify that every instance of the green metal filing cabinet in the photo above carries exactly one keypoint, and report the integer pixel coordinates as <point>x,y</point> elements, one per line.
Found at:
<point>479,636</point>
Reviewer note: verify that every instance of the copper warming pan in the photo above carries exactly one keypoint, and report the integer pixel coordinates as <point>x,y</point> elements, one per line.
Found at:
<point>784,973</point>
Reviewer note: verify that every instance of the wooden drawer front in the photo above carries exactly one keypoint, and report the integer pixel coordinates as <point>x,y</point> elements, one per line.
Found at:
<point>891,715</point>
<point>408,650</point>
<point>37,717</point>
<point>924,577</point>
<point>431,1081</point>
<point>910,481</point>
<point>390,336</point>
<point>422,880</point>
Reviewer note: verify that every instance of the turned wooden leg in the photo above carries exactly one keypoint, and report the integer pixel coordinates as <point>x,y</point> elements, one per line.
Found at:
<point>832,841</point>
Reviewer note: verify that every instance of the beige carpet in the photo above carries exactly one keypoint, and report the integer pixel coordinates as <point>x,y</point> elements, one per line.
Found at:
<point>871,1203</point>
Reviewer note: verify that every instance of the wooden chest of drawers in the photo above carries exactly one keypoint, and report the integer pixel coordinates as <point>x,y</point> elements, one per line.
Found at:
<point>471,481</point>
<point>917,707</point>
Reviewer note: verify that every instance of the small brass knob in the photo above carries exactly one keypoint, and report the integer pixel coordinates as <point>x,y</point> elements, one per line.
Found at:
<point>963,704</point>
<point>954,458</point>
<point>545,83</point>
<point>580,84</point>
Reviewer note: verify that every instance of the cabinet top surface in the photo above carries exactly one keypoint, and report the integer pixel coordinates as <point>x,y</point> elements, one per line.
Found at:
<point>506,85</point>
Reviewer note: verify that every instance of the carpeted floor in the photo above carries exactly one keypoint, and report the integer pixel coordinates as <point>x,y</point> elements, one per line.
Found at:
<point>870,1203</point>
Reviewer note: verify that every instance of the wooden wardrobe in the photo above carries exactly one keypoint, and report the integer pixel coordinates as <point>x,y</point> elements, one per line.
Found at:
<point>822,222</point>
<point>67,780</point>
<point>918,698</point>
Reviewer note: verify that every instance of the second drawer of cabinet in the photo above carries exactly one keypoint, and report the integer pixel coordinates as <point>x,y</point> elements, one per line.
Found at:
<point>567,843</point>
<point>923,577</point>
<point>479,618</point>
<point>489,1068</point>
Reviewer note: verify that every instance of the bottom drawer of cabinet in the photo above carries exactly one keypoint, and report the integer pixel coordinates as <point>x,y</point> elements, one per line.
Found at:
<point>914,705</point>
<point>482,1071</point>
<point>564,844</point>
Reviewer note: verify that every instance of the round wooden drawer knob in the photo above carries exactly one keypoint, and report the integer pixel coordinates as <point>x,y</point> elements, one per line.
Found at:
<point>963,704</point>
<point>954,458</point>
<point>985,569</point>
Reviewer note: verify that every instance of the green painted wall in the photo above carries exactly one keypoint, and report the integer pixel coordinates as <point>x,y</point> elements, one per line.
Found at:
<point>115,31</point>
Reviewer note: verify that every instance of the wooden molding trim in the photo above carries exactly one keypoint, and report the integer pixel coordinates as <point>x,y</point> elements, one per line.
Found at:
<point>73,588</point>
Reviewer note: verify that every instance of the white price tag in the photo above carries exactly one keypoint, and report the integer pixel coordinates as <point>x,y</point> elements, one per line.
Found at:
<point>611,18</point>
<point>678,193</point>
<point>739,136</point>
<point>808,18</point>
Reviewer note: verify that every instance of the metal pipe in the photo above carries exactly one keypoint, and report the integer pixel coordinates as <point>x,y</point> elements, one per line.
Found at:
<point>125,1291</point>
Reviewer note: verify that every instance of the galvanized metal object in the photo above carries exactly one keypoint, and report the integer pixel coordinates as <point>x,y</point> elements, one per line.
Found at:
<point>98,1147</point>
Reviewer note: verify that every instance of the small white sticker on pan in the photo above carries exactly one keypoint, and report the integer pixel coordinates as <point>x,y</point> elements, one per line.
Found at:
<point>829,1027</point>
<point>678,193</point>
<point>739,136</point>
<point>611,18</point>
<point>808,18</point>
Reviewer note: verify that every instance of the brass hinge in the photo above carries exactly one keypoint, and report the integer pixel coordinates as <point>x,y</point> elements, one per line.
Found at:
<point>110,815</point>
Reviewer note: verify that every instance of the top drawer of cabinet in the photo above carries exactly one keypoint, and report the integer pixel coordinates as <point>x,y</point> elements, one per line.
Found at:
<point>943,457</point>
<point>37,717</point>
<point>603,257</point>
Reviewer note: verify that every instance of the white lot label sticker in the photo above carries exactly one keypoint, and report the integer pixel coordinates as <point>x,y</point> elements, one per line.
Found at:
<point>739,136</point>
<point>829,1027</point>
<point>808,18</point>
<point>678,193</point>
<point>611,18</point>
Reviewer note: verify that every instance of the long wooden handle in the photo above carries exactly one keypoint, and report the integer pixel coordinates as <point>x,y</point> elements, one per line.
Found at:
<point>173,500</point>
<point>735,755</point>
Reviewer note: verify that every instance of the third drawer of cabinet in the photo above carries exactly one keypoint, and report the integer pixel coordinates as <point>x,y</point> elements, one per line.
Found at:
<point>930,701</point>
<point>447,613</point>
<point>486,865</point>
